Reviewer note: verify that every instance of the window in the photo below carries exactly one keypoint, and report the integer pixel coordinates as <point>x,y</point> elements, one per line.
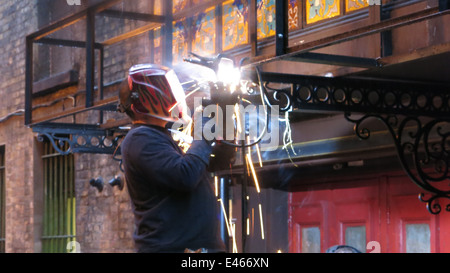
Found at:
<point>310,238</point>
<point>59,201</point>
<point>355,236</point>
<point>2,199</point>
<point>417,238</point>
<point>208,30</point>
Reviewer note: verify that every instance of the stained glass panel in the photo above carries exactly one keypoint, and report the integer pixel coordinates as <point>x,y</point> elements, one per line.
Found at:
<point>317,10</point>
<point>179,5</point>
<point>351,5</point>
<point>204,32</point>
<point>235,24</point>
<point>180,40</point>
<point>293,14</point>
<point>265,18</point>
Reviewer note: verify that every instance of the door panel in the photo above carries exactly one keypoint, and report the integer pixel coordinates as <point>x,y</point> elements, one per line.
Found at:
<point>384,210</point>
<point>342,216</point>
<point>409,217</point>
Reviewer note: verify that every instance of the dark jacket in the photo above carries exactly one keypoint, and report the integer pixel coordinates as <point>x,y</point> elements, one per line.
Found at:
<point>172,199</point>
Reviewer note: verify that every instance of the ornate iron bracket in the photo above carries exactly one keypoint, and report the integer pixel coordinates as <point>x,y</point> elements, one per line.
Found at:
<point>80,138</point>
<point>423,150</point>
<point>423,147</point>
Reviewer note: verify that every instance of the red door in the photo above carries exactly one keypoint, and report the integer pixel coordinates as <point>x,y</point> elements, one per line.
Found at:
<point>327,217</point>
<point>379,214</point>
<point>411,228</point>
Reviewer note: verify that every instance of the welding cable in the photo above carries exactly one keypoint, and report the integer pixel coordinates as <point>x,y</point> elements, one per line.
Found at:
<point>18,112</point>
<point>262,95</point>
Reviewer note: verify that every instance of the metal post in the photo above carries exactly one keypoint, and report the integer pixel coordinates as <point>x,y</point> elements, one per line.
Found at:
<point>28,80</point>
<point>90,55</point>
<point>244,198</point>
<point>386,36</point>
<point>252,24</point>
<point>167,43</point>
<point>281,27</point>
<point>223,195</point>
<point>444,5</point>
<point>100,78</point>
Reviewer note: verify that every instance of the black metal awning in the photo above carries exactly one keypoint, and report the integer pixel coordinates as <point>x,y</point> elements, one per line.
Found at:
<point>372,93</point>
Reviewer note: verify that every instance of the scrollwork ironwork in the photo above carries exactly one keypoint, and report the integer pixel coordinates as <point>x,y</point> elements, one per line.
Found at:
<point>57,142</point>
<point>362,95</point>
<point>424,152</point>
<point>280,97</point>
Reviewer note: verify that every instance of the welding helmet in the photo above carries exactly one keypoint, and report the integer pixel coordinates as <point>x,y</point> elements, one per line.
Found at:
<point>154,90</point>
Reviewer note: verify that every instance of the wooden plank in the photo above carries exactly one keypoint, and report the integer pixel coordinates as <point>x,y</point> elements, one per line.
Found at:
<point>55,82</point>
<point>76,110</point>
<point>416,54</point>
<point>132,33</point>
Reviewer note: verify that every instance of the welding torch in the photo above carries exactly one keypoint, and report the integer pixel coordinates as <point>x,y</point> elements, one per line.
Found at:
<point>221,93</point>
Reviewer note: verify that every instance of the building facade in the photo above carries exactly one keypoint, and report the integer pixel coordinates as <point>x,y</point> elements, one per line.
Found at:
<point>322,186</point>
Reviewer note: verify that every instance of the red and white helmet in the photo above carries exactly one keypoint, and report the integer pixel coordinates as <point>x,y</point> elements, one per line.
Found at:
<point>156,91</point>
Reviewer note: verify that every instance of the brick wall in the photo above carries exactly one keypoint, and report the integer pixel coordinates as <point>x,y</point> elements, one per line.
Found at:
<point>16,20</point>
<point>104,220</point>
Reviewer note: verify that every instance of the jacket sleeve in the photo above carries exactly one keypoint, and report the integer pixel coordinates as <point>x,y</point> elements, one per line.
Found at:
<point>162,163</point>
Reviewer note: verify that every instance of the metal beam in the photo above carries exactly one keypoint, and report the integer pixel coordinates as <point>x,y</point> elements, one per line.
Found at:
<point>360,95</point>
<point>64,42</point>
<point>322,58</point>
<point>133,16</point>
<point>81,138</point>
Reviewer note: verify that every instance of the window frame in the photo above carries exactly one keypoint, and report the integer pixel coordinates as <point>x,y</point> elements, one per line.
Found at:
<point>59,201</point>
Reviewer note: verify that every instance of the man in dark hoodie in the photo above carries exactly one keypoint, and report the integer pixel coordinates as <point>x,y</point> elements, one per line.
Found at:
<point>172,199</point>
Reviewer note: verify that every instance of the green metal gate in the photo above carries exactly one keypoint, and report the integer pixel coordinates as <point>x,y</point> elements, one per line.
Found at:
<point>2,199</point>
<point>59,201</point>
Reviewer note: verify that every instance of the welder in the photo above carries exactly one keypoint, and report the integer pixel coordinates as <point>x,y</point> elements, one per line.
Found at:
<point>172,199</point>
